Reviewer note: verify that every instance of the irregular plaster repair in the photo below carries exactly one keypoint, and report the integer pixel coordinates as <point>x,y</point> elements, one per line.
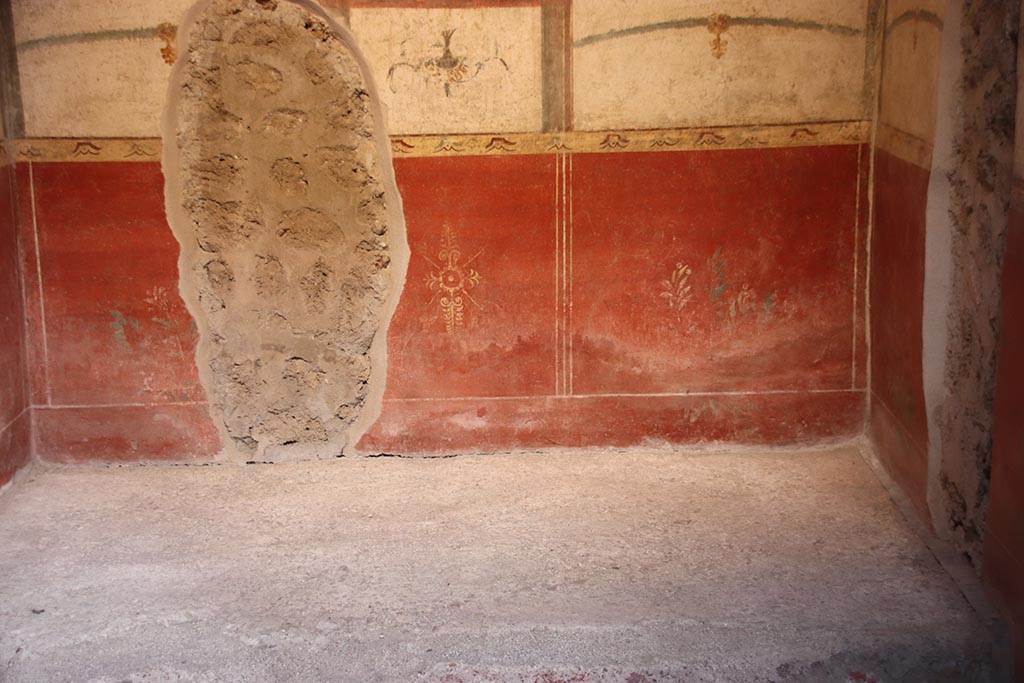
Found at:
<point>280,190</point>
<point>968,205</point>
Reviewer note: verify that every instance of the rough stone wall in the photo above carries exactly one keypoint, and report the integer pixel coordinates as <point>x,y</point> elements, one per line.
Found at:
<point>281,194</point>
<point>979,193</point>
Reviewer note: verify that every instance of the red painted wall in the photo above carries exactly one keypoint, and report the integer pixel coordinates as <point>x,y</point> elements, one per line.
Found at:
<point>607,300</point>
<point>1004,535</point>
<point>14,415</point>
<point>112,362</point>
<point>899,425</point>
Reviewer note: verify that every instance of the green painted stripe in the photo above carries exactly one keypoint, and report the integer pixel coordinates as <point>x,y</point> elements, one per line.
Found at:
<point>695,22</point>
<point>89,37</point>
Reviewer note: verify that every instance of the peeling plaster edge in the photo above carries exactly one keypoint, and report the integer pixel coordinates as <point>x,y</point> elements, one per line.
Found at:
<point>938,243</point>
<point>179,223</point>
<point>692,138</point>
<point>398,245</point>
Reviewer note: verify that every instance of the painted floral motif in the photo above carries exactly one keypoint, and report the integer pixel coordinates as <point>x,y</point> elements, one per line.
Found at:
<point>159,303</point>
<point>123,325</point>
<point>448,69</point>
<point>451,281</point>
<point>731,304</point>
<point>677,290</point>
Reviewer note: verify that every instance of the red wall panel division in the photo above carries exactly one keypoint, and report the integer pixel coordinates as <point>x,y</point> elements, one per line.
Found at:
<point>899,426</point>
<point>116,328</point>
<point>15,446</point>
<point>714,271</point>
<point>697,297</point>
<point>110,330</point>
<point>476,316</point>
<point>35,356</point>
<point>863,356</point>
<point>546,304</point>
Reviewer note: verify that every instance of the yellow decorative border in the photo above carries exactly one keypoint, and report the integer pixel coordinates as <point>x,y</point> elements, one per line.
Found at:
<point>659,140</point>
<point>87,149</point>
<point>904,145</point>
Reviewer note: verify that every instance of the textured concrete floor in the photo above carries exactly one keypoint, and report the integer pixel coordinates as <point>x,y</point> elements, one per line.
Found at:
<point>591,567</point>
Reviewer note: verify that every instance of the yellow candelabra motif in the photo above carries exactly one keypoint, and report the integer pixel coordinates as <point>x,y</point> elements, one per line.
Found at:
<point>169,34</point>
<point>451,281</point>
<point>717,25</point>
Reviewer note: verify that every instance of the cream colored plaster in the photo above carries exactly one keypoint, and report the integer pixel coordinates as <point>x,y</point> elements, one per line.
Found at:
<point>496,88</point>
<point>910,70</point>
<point>35,19</point>
<point>766,75</point>
<point>664,79</point>
<point>100,89</point>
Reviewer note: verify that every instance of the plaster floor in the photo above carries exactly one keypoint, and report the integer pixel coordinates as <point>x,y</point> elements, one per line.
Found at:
<point>587,567</point>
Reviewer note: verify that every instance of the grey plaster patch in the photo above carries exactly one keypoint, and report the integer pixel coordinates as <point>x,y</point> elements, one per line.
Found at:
<point>968,205</point>
<point>281,193</point>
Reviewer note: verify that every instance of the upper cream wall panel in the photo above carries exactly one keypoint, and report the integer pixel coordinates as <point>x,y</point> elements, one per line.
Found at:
<point>116,86</point>
<point>593,17</point>
<point>651,63</point>
<point>764,74</point>
<point>111,84</point>
<point>495,82</point>
<point>910,67</point>
<point>36,19</point>
<point>82,76</point>
<point>102,89</point>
